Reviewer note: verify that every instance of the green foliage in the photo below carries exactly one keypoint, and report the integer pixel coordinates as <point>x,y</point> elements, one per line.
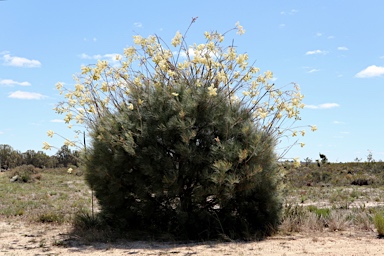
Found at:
<point>66,156</point>
<point>320,212</point>
<point>378,220</point>
<point>192,165</point>
<point>10,158</point>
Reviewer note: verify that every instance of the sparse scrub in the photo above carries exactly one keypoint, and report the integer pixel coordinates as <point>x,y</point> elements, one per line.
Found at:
<point>48,200</point>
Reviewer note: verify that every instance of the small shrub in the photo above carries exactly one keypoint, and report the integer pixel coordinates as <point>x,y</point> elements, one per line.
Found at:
<point>85,221</point>
<point>337,221</point>
<point>378,220</point>
<point>92,228</point>
<point>25,173</point>
<point>361,182</point>
<point>51,217</point>
<point>293,218</point>
<point>363,221</point>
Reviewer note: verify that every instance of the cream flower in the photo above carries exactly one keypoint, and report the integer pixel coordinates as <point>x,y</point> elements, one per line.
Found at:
<point>175,94</point>
<point>68,118</point>
<point>313,128</point>
<point>50,133</point>
<point>296,162</point>
<point>46,146</point>
<point>212,91</point>
<point>263,114</point>
<point>177,39</point>
<point>69,143</point>
<point>240,29</point>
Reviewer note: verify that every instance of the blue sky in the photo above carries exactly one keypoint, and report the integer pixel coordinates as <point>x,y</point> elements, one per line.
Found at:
<point>333,49</point>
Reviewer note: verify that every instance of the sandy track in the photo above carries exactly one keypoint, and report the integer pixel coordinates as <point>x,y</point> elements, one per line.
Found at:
<point>18,238</point>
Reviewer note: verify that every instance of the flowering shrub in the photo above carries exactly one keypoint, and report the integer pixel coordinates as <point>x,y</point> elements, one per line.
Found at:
<point>106,88</point>
<point>183,140</point>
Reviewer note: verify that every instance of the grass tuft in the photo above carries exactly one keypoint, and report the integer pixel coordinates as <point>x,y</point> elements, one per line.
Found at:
<point>379,224</point>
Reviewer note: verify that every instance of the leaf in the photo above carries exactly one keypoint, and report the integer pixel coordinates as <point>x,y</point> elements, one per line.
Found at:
<point>243,154</point>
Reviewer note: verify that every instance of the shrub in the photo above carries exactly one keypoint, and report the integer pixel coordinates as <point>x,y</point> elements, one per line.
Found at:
<point>337,221</point>
<point>183,142</point>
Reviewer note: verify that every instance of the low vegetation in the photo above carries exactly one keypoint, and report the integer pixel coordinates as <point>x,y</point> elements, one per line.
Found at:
<point>58,197</point>
<point>43,195</point>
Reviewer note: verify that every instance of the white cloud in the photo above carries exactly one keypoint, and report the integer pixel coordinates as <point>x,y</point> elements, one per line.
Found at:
<point>183,54</point>
<point>323,106</point>
<point>109,56</point>
<point>20,61</point>
<point>282,25</point>
<point>342,48</point>
<point>138,24</point>
<point>26,95</point>
<point>10,82</point>
<point>318,34</point>
<point>371,71</point>
<point>315,52</point>
<point>338,122</point>
<point>291,12</point>
<point>313,70</point>
<point>57,121</point>
<point>273,79</point>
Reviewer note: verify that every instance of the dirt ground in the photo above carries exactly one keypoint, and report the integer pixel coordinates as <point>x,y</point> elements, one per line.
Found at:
<point>18,238</point>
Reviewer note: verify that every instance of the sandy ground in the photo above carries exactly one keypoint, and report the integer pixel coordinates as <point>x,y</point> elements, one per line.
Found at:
<point>19,238</point>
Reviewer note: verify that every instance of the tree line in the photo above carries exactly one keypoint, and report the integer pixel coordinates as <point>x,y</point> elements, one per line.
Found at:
<point>11,158</point>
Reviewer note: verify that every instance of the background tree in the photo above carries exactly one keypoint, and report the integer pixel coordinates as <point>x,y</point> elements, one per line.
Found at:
<point>5,156</point>
<point>66,157</point>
